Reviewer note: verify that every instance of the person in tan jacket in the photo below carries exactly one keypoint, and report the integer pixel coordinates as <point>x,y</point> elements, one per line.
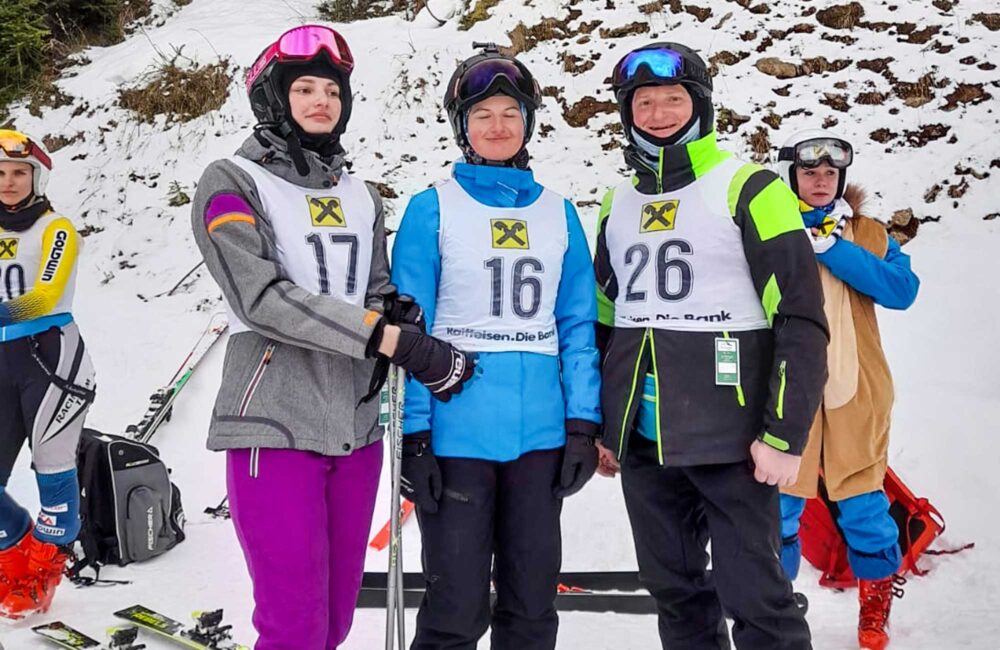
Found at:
<point>860,266</point>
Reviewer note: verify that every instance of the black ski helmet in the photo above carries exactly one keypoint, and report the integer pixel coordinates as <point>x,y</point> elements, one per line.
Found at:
<point>664,63</point>
<point>271,75</point>
<point>486,74</point>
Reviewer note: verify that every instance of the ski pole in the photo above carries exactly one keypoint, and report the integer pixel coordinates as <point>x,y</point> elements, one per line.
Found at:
<point>395,605</point>
<point>399,380</point>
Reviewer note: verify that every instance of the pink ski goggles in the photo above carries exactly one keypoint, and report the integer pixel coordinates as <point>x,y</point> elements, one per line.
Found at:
<point>303,43</point>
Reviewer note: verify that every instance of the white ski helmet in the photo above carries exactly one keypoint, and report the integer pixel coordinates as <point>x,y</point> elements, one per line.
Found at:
<point>17,147</point>
<point>810,148</point>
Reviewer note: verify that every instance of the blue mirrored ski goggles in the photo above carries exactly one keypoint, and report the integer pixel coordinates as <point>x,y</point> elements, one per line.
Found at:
<point>660,63</point>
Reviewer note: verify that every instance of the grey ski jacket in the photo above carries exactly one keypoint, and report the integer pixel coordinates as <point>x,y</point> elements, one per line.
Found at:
<point>295,379</point>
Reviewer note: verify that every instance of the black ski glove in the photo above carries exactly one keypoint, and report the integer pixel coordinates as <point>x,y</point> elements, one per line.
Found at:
<point>398,309</point>
<point>440,366</point>
<point>421,476</point>
<point>407,311</point>
<point>579,458</point>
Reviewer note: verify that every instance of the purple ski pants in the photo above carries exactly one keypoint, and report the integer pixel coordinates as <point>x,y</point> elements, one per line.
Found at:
<point>303,521</point>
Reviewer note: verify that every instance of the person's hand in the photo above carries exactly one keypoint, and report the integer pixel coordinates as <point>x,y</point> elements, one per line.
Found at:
<point>420,478</point>
<point>821,243</point>
<point>402,308</point>
<point>439,365</point>
<point>772,466</point>
<point>578,464</point>
<point>607,464</point>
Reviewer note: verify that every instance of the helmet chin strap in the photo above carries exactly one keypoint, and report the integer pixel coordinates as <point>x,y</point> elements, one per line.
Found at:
<point>520,160</point>
<point>295,149</point>
<point>650,145</point>
<point>284,130</point>
<point>26,202</point>
<point>22,216</point>
<point>297,140</point>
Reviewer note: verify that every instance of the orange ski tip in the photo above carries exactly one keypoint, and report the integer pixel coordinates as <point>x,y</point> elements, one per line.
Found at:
<point>381,540</point>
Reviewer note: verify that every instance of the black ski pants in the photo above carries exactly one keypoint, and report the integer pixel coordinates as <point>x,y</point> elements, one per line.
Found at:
<point>501,515</point>
<point>675,512</point>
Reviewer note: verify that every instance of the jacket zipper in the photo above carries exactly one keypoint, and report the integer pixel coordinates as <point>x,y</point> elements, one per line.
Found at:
<point>258,374</point>
<point>631,395</point>
<point>656,394</point>
<point>656,173</point>
<point>739,388</point>
<point>781,390</point>
<point>254,462</point>
<point>659,189</point>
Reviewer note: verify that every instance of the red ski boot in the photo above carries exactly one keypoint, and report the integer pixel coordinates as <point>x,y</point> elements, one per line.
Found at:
<point>34,592</point>
<point>876,601</point>
<point>13,565</point>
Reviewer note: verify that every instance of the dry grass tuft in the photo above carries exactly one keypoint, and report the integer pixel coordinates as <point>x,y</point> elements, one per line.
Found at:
<point>179,92</point>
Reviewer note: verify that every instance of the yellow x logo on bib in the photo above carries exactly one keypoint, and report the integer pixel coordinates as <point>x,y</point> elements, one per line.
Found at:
<point>509,233</point>
<point>825,228</point>
<point>8,249</point>
<point>658,215</point>
<point>326,211</point>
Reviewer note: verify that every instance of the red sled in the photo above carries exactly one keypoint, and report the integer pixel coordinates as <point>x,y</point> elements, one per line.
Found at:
<point>823,545</point>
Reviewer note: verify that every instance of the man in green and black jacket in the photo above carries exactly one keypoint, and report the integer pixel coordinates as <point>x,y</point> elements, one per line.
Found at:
<point>714,359</point>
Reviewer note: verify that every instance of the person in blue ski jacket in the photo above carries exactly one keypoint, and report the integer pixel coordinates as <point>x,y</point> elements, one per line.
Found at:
<point>501,267</point>
<point>860,266</point>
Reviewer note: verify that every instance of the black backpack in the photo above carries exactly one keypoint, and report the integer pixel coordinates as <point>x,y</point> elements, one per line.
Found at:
<point>129,509</point>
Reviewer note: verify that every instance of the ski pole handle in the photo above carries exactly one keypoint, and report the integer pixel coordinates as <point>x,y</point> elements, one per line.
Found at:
<point>389,294</point>
<point>400,308</point>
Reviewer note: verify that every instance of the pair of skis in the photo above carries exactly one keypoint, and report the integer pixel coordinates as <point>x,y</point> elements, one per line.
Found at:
<point>207,633</point>
<point>64,636</point>
<point>162,401</point>
<point>615,592</point>
<point>589,591</point>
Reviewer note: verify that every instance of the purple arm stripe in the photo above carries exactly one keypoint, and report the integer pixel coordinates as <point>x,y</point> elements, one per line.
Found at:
<point>225,204</point>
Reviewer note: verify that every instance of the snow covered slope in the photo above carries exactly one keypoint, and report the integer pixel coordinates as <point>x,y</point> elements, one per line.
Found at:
<point>115,173</point>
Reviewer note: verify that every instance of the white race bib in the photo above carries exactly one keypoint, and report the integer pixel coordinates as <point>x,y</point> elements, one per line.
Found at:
<point>500,272</point>
<point>21,259</point>
<point>323,236</point>
<point>678,258</point>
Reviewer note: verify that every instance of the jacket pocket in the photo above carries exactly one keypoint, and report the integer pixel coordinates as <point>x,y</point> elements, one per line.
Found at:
<point>255,379</point>
<point>782,378</point>
<point>145,524</point>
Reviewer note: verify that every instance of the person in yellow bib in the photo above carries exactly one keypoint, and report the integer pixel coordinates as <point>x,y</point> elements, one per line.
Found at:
<point>47,380</point>
<point>713,341</point>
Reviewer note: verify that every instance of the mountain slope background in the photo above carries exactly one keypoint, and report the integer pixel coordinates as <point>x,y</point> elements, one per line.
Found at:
<point>912,85</point>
